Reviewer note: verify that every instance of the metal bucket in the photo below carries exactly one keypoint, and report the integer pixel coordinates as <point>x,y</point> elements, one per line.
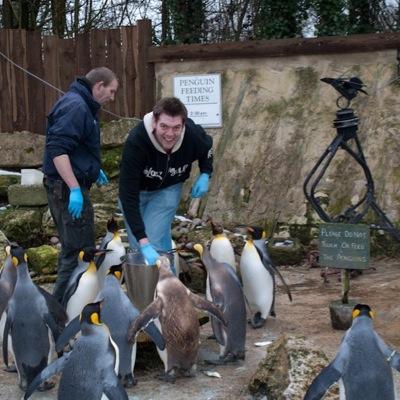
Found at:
<point>141,279</point>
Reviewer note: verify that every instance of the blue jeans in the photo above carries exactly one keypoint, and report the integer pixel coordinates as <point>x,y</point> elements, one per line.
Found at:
<point>157,209</point>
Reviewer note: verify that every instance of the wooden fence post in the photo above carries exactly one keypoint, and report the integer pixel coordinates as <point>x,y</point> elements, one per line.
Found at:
<point>145,70</point>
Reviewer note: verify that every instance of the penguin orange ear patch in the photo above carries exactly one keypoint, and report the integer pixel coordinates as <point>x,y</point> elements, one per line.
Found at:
<point>356,313</point>
<point>14,261</point>
<point>117,274</point>
<point>25,258</point>
<point>95,319</point>
<point>372,314</point>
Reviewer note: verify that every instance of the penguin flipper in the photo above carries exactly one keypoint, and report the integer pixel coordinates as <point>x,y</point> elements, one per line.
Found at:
<point>7,327</point>
<point>328,376</point>
<point>114,390</point>
<point>68,333</point>
<point>52,369</point>
<point>51,323</point>
<point>56,309</point>
<point>262,251</point>
<point>155,335</point>
<point>392,356</point>
<point>203,304</point>
<point>217,329</point>
<point>151,312</point>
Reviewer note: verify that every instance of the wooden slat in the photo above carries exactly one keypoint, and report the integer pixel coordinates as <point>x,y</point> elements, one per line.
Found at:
<point>145,69</point>
<point>276,48</point>
<point>82,59</point>
<point>36,89</point>
<point>129,71</point>
<point>19,83</point>
<point>138,100</point>
<point>66,57</point>
<point>98,47</point>
<point>114,62</point>
<point>51,70</point>
<point>5,85</point>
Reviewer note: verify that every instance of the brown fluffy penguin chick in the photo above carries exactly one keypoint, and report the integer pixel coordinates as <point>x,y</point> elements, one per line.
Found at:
<point>173,310</point>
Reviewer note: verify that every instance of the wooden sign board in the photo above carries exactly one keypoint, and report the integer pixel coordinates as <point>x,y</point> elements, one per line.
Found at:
<point>344,245</point>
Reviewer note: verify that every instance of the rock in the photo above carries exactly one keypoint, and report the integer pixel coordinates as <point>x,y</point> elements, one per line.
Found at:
<point>3,242</point>
<point>286,254</point>
<point>110,161</point>
<point>27,195</point>
<point>21,149</point>
<point>43,259</point>
<point>45,279</point>
<point>288,369</point>
<point>48,226</point>
<point>114,133</point>
<point>23,225</point>
<point>54,240</point>
<point>5,182</point>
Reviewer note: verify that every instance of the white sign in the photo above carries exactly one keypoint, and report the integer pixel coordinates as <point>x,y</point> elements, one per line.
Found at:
<point>201,95</point>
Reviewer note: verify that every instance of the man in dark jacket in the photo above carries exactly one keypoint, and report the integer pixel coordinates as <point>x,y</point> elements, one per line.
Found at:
<point>156,160</point>
<point>72,164</point>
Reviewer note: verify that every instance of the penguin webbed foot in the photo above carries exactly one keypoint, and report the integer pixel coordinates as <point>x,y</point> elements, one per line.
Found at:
<point>169,376</point>
<point>128,381</point>
<point>12,369</point>
<point>188,373</point>
<point>46,385</point>
<point>258,321</point>
<point>272,313</point>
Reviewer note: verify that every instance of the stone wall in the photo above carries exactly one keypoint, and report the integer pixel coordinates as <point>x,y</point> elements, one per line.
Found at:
<point>277,121</point>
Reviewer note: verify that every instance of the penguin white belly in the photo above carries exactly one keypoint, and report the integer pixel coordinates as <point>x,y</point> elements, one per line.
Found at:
<point>221,249</point>
<point>2,324</point>
<point>258,285</point>
<point>342,392</point>
<point>133,357</point>
<point>86,292</point>
<point>208,289</point>
<point>162,353</point>
<point>112,258</point>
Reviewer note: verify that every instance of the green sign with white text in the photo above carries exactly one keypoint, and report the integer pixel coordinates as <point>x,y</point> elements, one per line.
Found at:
<point>344,245</point>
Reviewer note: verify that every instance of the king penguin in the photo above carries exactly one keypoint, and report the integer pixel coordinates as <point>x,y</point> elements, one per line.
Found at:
<point>226,293</point>
<point>115,254</point>
<point>83,285</point>
<point>117,313</point>
<point>258,277</point>
<point>178,322</point>
<point>30,324</point>
<point>362,365</point>
<point>89,371</point>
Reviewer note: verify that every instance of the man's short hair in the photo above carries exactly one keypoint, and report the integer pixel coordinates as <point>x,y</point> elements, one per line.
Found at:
<point>100,74</point>
<point>171,106</point>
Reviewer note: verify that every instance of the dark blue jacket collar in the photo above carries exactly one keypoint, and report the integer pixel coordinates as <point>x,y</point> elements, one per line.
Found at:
<point>82,87</point>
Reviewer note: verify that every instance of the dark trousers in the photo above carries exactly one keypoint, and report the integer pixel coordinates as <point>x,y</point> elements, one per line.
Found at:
<point>74,234</point>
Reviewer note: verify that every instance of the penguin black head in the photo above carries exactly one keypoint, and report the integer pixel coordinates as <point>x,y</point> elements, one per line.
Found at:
<point>362,309</point>
<point>116,270</point>
<point>87,254</point>
<point>112,225</point>
<point>91,313</point>
<point>256,233</point>
<point>18,256</point>
<point>217,229</point>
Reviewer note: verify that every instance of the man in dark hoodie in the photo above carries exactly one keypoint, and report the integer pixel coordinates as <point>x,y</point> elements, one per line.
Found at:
<point>156,160</point>
<point>72,164</point>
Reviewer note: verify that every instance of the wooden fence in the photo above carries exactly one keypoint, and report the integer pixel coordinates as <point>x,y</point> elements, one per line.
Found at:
<point>25,101</point>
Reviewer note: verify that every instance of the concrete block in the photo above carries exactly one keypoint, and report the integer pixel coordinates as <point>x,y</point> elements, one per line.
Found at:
<point>27,195</point>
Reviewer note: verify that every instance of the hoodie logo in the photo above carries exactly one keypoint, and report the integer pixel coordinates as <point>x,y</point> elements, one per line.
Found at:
<point>210,153</point>
<point>178,171</point>
<point>150,173</point>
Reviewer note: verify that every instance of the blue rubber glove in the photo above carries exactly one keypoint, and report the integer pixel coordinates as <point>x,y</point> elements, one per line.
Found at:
<point>149,254</point>
<point>200,187</point>
<point>102,179</point>
<point>75,202</point>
